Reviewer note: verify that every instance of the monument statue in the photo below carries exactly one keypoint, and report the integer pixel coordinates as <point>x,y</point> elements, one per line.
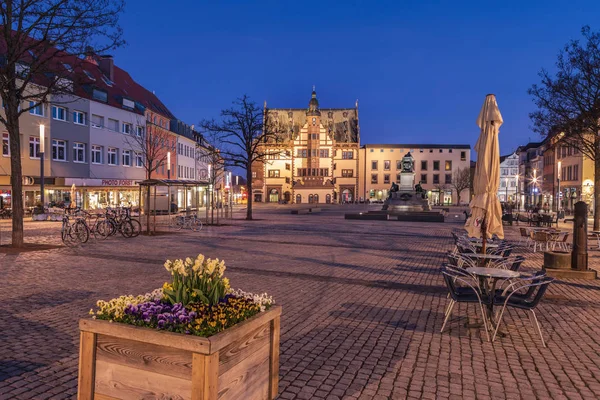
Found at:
<point>408,163</point>
<point>406,196</point>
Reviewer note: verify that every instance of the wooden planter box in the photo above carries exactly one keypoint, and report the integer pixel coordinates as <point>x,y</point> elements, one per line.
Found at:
<point>119,361</point>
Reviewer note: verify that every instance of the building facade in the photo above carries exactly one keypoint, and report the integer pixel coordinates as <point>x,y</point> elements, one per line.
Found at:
<point>312,159</point>
<point>380,165</point>
<point>509,169</point>
<point>530,174</point>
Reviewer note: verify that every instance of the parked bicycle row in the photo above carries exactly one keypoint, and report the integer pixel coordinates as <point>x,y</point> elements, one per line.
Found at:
<point>78,225</point>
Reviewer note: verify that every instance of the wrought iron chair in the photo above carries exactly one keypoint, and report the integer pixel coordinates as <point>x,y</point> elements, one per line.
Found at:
<point>524,294</point>
<point>469,292</point>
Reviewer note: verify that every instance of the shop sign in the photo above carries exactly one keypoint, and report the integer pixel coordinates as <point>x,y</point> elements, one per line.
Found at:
<point>118,182</point>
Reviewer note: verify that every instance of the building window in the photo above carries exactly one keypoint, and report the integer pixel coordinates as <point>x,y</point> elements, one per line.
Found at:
<point>431,150</point>
<point>448,179</point>
<point>78,152</point>
<point>34,147</point>
<point>575,172</point>
<point>374,165</point>
<point>126,128</point>
<point>324,153</point>
<point>423,165</point>
<point>273,173</point>
<point>463,155</point>
<point>126,154</point>
<point>5,144</point>
<point>347,173</point>
<point>448,166</point>
<point>254,174</point>
<point>100,95</point>
<point>140,131</point>
<point>449,150</point>
<point>97,121</point>
<point>112,156</point>
<point>436,165</point>
<point>386,178</point>
<point>387,164</point>
<point>347,155</point>
<point>423,178</point>
<point>436,179</point>
<point>113,125</point>
<point>301,153</point>
<point>59,113</point>
<point>420,150</point>
<point>59,150</point>
<point>96,154</point>
<point>288,166</point>
<point>79,117</point>
<point>373,178</point>
<point>36,109</point>
<point>441,150</point>
<point>398,164</point>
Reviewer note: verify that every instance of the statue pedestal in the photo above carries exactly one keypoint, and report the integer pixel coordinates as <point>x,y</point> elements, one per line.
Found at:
<point>407,181</point>
<point>406,200</point>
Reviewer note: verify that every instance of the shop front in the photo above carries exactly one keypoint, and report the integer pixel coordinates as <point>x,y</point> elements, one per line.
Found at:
<point>93,194</point>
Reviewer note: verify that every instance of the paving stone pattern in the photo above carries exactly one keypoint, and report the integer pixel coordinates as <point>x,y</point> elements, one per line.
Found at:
<point>363,305</point>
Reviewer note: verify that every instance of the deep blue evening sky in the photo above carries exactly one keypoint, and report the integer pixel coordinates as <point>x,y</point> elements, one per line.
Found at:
<point>420,69</point>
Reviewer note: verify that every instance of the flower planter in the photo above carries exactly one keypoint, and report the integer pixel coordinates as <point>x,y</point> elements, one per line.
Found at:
<point>119,361</point>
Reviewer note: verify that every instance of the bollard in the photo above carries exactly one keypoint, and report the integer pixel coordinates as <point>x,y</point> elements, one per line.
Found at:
<point>579,256</point>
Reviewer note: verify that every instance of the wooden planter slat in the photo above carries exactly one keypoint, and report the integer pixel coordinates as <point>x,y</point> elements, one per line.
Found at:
<point>119,361</point>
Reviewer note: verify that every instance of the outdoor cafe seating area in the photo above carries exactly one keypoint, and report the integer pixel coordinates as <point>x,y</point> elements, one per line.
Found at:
<point>493,281</point>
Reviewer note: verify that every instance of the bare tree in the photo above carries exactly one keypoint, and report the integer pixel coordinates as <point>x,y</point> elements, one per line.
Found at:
<point>209,154</point>
<point>36,35</point>
<point>241,133</point>
<point>568,103</point>
<point>153,146</point>
<point>461,180</point>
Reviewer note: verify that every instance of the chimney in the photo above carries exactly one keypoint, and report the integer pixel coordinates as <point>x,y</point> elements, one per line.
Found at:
<point>107,66</point>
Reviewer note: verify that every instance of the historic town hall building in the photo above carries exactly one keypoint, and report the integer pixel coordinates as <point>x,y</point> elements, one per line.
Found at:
<point>313,159</point>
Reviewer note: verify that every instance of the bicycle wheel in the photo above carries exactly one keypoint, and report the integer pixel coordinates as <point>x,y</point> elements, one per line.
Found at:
<point>137,227</point>
<point>103,229</point>
<point>65,234</point>
<point>196,225</point>
<point>112,225</point>
<point>126,229</point>
<point>178,223</point>
<point>80,232</point>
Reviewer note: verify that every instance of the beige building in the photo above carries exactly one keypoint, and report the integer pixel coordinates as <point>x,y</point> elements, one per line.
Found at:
<point>380,165</point>
<point>313,159</point>
<point>29,126</point>
<point>576,174</point>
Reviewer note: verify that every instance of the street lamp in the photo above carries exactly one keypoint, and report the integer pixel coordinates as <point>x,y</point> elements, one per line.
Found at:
<point>41,151</point>
<point>533,190</point>
<point>558,205</point>
<point>517,178</point>
<point>168,165</point>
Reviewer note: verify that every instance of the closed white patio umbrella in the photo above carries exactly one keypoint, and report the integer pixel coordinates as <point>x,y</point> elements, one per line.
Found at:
<point>486,212</point>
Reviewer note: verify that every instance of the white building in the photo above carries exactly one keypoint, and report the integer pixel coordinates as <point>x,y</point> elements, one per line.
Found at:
<point>509,170</point>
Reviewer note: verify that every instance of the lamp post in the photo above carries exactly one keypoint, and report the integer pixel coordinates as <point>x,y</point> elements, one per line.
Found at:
<point>168,165</point>
<point>533,190</point>
<point>41,151</point>
<point>558,205</point>
<point>518,199</point>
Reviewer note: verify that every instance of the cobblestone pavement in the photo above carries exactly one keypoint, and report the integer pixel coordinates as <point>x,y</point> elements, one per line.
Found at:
<point>363,305</point>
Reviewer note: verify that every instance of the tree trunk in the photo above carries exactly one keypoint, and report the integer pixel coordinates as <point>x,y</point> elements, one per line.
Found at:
<point>148,205</point>
<point>250,194</point>
<point>16,179</point>
<point>597,194</point>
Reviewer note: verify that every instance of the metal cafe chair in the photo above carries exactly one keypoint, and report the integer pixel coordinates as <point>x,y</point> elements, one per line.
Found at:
<point>524,294</point>
<point>460,261</point>
<point>462,288</point>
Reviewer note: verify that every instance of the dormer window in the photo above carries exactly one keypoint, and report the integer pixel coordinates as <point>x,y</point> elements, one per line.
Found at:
<point>89,75</point>
<point>128,103</point>
<point>21,69</point>
<point>68,67</point>
<point>100,95</point>
<point>32,54</point>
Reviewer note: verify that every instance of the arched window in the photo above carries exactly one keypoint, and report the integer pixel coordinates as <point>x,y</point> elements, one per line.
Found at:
<point>310,198</point>
<point>316,199</point>
<point>328,199</point>
<point>298,199</point>
<point>274,196</point>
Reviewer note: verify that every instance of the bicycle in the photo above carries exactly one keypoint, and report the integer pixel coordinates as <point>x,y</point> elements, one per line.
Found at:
<point>76,231</point>
<point>126,216</point>
<point>182,221</point>
<point>117,224</point>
